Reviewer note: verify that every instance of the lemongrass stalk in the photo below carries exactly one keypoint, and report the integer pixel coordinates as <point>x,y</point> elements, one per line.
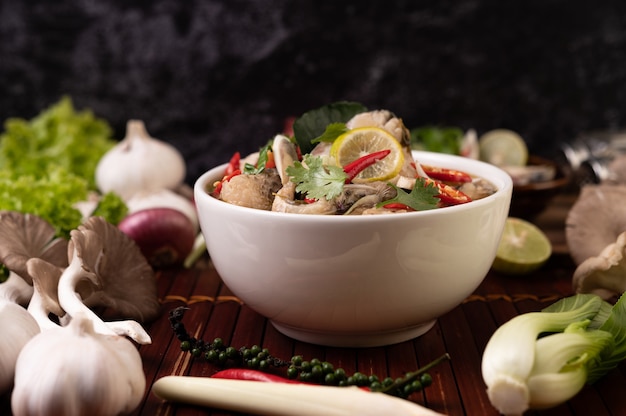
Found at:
<point>278,399</point>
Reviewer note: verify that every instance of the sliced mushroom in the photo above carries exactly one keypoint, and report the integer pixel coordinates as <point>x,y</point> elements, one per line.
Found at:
<point>595,220</point>
<point>605,274</point>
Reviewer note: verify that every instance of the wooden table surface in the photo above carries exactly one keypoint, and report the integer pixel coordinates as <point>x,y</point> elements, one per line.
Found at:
<point>457,389</point>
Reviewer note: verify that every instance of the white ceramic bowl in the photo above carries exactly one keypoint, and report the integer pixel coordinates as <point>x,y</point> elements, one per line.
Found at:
<point>356,281</point>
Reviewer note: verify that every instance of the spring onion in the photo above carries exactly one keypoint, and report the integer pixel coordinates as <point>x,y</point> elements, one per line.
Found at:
<point>542,359</point>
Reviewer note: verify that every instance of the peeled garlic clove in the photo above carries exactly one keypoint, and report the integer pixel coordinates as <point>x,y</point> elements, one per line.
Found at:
<point>139,163</point>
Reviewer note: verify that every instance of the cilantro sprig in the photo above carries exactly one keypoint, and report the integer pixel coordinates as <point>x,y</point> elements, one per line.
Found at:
<point>422,197</point>
<point>315,179</point>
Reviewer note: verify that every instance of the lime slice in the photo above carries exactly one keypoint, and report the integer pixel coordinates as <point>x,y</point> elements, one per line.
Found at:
<point>362,141</point>
<point>502,147</point>
<point>523,248</point>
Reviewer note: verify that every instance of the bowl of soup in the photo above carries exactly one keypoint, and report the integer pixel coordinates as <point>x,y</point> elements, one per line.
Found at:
<point>356,280</point>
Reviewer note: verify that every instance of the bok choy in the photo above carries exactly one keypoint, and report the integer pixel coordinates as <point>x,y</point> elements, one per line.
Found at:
<point>541,359</point>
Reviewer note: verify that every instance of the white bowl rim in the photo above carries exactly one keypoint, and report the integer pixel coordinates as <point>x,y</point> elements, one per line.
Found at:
<point>505,186</point>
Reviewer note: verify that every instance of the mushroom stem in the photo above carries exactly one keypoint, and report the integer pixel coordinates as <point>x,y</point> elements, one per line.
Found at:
<point>15,289</point>
<point>72,304</point>
<point>71,301</point>
<point>37,309</point>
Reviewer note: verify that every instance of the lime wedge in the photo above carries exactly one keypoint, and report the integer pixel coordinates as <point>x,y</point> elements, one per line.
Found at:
<point>502,147</point>
<point>523,248</point>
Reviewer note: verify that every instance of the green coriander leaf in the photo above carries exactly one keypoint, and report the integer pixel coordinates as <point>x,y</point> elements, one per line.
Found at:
<point>312,124</point>
<point>316,180</point>
<point>422,197</point>
<point>332,131</point>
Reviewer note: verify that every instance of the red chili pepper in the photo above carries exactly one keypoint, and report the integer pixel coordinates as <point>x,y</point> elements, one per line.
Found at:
<point>218,186</point>
<point>252,375</point>
<point>256,375</point>
<point>355,167</point>
<point>233,164</point>
<point>448,195</point>
<point>446,175</point>
<point>398,205</point>
<point>271,162</point>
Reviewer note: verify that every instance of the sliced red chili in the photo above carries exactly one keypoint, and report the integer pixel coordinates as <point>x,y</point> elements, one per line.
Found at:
<point>449,195</point>
<point>271,162</point>
<point>218,186</point>
<point>233,164</point>
<point>357,166</point>
<point>398,206</point>
<point>446,175</point>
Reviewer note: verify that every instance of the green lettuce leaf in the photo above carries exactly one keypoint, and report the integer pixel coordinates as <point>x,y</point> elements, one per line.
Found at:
<point>59,137</point>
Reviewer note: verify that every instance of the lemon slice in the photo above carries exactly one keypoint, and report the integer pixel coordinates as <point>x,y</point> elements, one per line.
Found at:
<point>363,141</point>
<point>523,248</point>
<point>502,147</point>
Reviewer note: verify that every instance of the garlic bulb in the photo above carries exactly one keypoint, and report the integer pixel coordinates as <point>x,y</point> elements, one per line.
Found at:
<point>18,327</point>
<point>139,163</point>
<point>74,371</point>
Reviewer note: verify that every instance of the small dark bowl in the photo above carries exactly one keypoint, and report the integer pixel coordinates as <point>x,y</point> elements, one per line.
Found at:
<point>531,199</point>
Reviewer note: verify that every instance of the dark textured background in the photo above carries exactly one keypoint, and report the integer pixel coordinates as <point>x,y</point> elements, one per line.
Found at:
<point>219,75</point>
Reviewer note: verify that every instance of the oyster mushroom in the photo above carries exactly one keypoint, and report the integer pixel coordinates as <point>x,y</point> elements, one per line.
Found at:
<point>45,302</point>
<point>24,236</point>
<point>604,274</point>
<point>595,220</point>
<point>108,263</point>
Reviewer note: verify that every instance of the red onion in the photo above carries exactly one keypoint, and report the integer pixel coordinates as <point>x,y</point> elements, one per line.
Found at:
<point>164,235</point>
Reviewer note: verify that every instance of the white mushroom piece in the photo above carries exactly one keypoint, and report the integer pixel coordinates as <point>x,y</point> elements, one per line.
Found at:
<point>21,237</point>
<point>604,274</point>
<point>595,220</point>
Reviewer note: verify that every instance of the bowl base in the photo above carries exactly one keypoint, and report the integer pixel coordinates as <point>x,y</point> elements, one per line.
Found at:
<point>355,340</point>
